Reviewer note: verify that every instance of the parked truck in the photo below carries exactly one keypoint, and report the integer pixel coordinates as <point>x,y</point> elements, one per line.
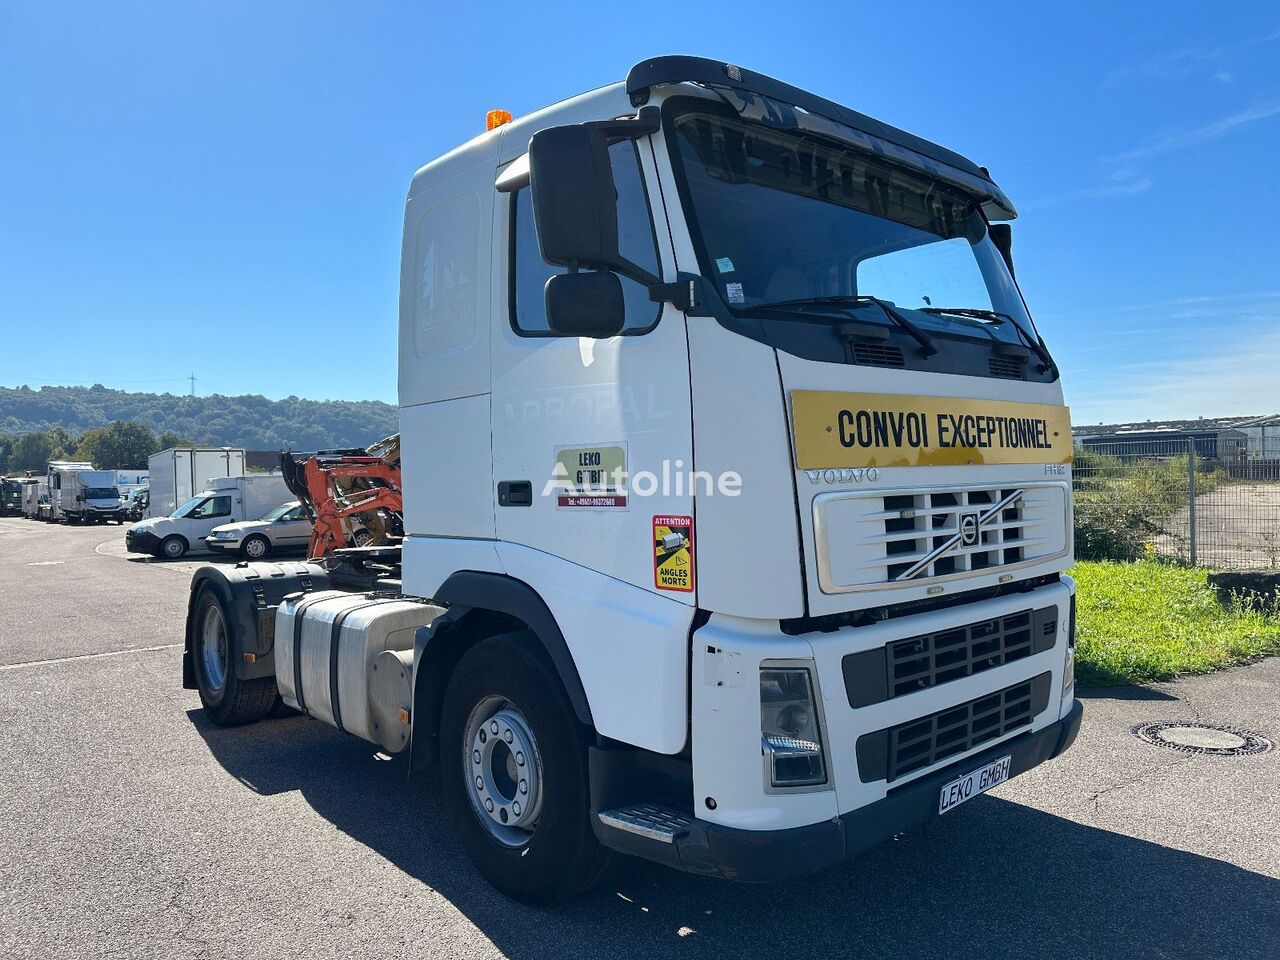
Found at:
<point>11,496</point>
<point>35,499</point>
<point>176,475</point>
<point>737,496</point>
<point>80,494</point>
<point>223,500</point>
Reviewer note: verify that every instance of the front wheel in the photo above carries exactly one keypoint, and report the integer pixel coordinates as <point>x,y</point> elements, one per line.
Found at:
<point>514,770</point>
<point>228,700</point>
<point>255,547</point>
<point>173,547</point>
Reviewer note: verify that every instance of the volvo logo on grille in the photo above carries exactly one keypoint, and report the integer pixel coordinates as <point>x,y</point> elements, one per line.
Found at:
<point>968,534</point>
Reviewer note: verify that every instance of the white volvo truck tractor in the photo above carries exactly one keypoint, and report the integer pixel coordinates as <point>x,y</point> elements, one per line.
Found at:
<point>737,496</point>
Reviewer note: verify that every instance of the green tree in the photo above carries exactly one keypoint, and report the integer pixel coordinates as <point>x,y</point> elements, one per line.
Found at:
<point>170,439</point>
<point>31,451</point>
<point>63,444</point>
<point>122,446</point>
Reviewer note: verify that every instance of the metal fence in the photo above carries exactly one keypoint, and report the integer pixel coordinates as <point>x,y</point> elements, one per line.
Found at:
<point>1179,500</point>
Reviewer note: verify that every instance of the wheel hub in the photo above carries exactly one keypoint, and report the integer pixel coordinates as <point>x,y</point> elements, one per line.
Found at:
<point>504,771</point>
<point>213,647</point>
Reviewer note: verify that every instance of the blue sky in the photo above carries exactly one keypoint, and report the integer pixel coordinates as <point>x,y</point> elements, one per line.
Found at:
<point>218,187</point>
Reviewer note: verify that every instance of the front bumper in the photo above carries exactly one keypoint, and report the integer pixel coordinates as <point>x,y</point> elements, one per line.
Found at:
<point>222,546</point>
<point>773,855</point>
<point>141,541</point>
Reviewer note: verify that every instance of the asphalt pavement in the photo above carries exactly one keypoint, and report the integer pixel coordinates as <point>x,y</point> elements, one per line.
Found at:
<point>131,827</point>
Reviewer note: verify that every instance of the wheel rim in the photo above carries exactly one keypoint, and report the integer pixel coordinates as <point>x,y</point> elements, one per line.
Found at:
<point>502,770</point>
<point>173,549</point>
<point>213,647</point>
<point>256,548</point>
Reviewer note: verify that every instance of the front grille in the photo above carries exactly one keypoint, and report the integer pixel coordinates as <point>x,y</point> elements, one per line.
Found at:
<point>1007,367</point>
<point>927,522</point>
<point>923,662</point>
<point>898,751</point>
<point>877,355</point>
<point>930,659</point>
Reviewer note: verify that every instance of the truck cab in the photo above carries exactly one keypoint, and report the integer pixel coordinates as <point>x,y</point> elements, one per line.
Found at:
<point>11,495</point>
<point>81,494</point>
<point>723,414</point>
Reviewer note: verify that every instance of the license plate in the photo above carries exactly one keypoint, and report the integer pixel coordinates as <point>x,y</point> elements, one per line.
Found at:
<point>971,784</point>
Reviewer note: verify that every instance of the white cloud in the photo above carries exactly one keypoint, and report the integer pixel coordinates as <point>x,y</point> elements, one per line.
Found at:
<point>1126,177</point>
<point>1187,60</point>
<point>1117,188</point>
<point>1179,139</point>
<point>1222,365</point>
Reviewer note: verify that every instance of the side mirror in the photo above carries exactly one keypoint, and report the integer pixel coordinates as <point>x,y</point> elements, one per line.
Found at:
<point>575,205</point>
<point>575,201</point>
<point>585,305</point>
<point>1002,236</point>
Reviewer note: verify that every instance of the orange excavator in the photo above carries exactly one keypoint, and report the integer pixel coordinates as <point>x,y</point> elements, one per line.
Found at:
<point>353,496</point>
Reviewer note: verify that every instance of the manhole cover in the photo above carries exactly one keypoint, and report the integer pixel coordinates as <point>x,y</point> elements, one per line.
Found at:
<point>1192,737</point>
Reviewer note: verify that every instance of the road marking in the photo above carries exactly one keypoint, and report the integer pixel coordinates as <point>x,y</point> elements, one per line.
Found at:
<point>45,563</point>
<point>87,656</point>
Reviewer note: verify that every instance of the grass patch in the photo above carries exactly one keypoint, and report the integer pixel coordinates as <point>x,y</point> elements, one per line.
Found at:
<point>1144,621</point>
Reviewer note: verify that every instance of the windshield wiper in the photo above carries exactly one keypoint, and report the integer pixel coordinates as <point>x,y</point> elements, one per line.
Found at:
<point>994,316</point>
<point>977,313</point>
<point>849,300</point>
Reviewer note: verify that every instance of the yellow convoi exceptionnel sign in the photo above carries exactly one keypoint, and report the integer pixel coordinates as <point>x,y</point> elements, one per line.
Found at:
<point>890,430</point>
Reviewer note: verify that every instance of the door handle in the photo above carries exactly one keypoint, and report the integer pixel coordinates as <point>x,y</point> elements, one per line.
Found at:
<point>515,493</point>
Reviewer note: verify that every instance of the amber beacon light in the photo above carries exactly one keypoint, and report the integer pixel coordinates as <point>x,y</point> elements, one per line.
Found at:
<point>496,118</point>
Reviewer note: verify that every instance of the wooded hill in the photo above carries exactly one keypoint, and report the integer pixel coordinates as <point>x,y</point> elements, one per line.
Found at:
<point>252,422</point>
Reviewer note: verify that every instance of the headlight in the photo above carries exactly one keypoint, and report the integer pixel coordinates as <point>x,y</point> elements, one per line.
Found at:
<point>224,535</point>
<point>791,736</point>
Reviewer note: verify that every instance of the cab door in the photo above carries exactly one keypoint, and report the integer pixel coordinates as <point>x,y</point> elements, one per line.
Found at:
<point>569,413</point>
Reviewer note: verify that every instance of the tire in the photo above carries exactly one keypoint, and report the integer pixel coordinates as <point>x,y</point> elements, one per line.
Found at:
<point>255,547</point>
<point>228,701</point>
<point>361,537</point>
<point>173,547</point>
<point>546,851</point>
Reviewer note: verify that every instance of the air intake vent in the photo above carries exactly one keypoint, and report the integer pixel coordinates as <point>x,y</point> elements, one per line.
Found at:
<point>877,355</point>
<point>929,660</point>
<point>1008,368</point>
<point>908,747</point>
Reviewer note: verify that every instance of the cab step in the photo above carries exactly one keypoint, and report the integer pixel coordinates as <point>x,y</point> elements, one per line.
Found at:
<point>649,820</point>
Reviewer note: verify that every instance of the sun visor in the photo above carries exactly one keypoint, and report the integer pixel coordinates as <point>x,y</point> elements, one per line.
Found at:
<point>775,113</point>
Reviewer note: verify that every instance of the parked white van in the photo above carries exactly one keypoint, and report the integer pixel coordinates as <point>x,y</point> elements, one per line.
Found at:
<point>224,500</point>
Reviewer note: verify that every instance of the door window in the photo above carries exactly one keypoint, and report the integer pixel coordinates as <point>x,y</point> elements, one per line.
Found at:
<point>636,242</point>
<point>212,507</point>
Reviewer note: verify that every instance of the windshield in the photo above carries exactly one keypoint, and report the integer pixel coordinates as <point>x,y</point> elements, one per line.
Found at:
<point>780,217</point>
<point>101,493</point>
<point>281,510</point>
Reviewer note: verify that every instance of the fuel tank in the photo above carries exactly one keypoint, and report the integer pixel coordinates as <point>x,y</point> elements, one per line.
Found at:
<point>325,647</point>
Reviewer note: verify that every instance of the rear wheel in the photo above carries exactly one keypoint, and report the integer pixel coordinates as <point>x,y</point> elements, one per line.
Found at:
<point>514,769</point>
<point>173,547</point>
<point>227,700</point>
<point>255,547</point>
